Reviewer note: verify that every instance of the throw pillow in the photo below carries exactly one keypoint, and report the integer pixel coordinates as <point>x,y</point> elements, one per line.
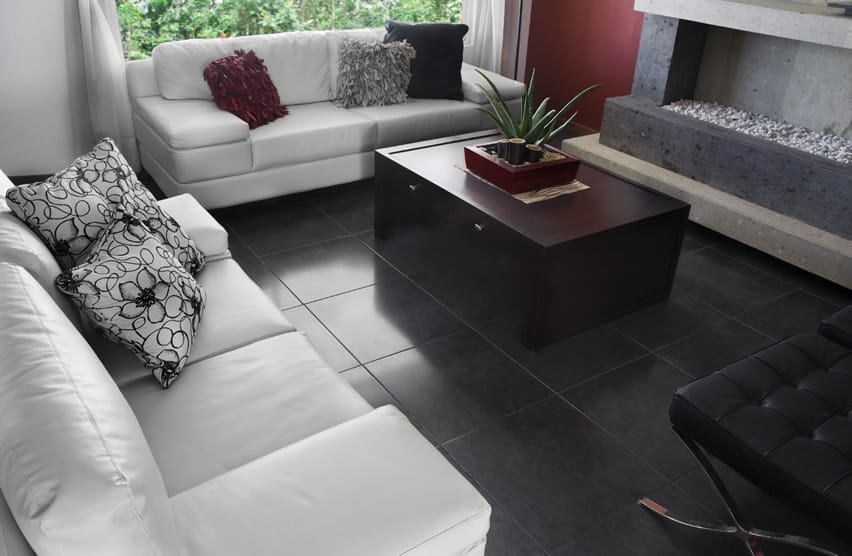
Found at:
<point>71,208</point>
<point>66,212</point>
<point>135,291</point>
<point>373,73</point>
<point>109,173</point>
<point>241,85</point>
<point>436,71</point>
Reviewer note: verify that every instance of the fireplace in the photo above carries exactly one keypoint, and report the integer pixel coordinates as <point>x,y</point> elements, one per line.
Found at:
<point>789,61</point>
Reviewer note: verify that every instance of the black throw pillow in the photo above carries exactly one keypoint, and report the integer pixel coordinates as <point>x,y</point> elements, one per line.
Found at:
<point>436,68</point>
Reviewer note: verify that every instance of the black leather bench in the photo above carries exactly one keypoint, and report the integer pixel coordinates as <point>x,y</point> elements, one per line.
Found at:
<point>783,419</point>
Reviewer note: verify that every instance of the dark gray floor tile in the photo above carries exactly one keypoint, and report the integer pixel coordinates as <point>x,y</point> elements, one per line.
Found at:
<point>703,236</point>
<point>663,323</point>
<point>635,531</point>
<point>456,383</point>
<point>368,387</point>
<point>569,361</point>
<point>830,291</point>
<point>553,471</point>
<point>506,538</point>
<point>631,403</point>
<point>388,317</point>
<point>324,269</point>
<point>765,263</point>
<point>280,224</point>
<point>713,348</point>
<point>352,208</point>
<point>792,314</point>
<point>761,510</point>
<point>689,244</point>
<point>257,270</point>
<point>725,283</point>
<point>327,345</point>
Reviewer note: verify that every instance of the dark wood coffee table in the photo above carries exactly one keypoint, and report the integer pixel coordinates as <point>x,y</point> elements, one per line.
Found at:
<point>574,261</point>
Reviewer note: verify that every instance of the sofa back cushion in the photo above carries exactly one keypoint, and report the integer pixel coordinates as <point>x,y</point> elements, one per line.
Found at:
<point>75,468</point>
<point>298,64</point>
<point>21,246</point>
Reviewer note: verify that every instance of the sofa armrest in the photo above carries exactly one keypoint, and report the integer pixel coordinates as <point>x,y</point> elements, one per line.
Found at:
<point>509,88</point>
<point>141,81</point>
<point>838,327</point>
<point>372,485</point>
<point>198,224</point>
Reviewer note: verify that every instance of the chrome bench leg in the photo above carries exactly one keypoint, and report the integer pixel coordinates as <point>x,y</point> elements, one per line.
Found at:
<point>740,528</point>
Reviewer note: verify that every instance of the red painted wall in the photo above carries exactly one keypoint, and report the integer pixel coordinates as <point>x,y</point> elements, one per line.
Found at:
<point>575,43</point>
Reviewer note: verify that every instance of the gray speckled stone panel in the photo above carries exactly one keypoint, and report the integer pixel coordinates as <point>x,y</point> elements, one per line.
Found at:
<point>669,59</point>
<point>801,83</point>
<point>800,185</point>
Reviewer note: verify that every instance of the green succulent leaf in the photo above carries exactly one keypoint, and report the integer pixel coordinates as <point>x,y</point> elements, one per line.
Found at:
<point>537,125</point>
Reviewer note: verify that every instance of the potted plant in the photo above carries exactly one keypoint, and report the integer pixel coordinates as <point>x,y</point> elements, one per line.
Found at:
<point>535,126</point>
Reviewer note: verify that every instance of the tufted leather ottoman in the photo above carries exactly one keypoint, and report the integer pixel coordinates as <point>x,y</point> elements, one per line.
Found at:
<point>783,419</point>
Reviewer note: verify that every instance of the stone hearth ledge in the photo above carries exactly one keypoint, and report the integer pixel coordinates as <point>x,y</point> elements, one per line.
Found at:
<point>777,18</point>
<point>817,251</point>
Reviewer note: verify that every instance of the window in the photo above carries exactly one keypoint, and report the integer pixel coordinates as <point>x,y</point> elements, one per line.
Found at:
<point>147,23</point>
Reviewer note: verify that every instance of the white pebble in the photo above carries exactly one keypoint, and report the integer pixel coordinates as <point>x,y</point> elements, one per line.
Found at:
<point>822,144</point>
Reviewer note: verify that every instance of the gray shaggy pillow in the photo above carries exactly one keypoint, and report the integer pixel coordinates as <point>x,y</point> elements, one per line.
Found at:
<point>373,73</point>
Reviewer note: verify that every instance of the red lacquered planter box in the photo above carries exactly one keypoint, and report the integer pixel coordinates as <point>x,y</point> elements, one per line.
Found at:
<point>519,179</point>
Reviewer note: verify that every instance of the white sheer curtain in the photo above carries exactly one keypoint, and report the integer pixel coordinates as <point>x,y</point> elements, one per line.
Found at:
<point>484,40</point>
<point>106,86</point>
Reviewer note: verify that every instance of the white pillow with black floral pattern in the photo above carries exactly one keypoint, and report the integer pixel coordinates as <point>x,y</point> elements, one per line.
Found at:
<point>107,173</point>
<point>134,290</point>
<point>68,214</point>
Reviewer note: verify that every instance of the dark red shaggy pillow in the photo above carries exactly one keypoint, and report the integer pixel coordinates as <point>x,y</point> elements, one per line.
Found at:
<point>241,85</point>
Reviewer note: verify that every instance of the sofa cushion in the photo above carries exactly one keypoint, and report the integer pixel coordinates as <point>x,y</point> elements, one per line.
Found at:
<point>19,245</point>
<point>75,467</point>
<point>188,124</point>
<point>436,71</point>
<point>134,290</point>
<point>372,485</point>
<point>420,119</point>
<point>240,84</point>
<point>298,64</point>
<point>373,74</point>
<point>311,132</point>
<point>237,314</point>
<point>245,403</point>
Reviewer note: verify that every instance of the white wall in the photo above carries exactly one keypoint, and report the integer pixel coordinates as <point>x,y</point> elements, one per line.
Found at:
<point>43,109</point>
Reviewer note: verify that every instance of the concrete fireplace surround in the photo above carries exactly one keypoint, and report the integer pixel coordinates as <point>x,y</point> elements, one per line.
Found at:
<point>789,61</point>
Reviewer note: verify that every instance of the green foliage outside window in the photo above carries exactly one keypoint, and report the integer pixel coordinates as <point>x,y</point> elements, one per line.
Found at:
<point>147,23</point>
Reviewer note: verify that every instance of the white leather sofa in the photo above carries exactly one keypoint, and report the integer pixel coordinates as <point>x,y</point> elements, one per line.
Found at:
<point>258,448</point>
<point>188,145</point>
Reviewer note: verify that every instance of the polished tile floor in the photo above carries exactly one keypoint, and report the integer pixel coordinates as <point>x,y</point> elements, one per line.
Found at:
<point>561,441</point>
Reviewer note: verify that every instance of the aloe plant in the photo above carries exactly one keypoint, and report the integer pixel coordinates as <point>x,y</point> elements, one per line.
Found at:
<point>535,126</point>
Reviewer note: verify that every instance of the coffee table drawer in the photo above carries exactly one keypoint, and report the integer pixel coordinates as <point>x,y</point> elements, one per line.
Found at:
<point>402,198</point>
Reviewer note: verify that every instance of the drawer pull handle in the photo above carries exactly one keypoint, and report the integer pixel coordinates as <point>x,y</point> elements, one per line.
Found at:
<point>479,227</point>
<point>414,187</point>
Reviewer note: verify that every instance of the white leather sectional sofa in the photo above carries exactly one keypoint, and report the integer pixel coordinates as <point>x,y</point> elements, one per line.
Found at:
<point>258,448</point>
<point>188,145</point>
